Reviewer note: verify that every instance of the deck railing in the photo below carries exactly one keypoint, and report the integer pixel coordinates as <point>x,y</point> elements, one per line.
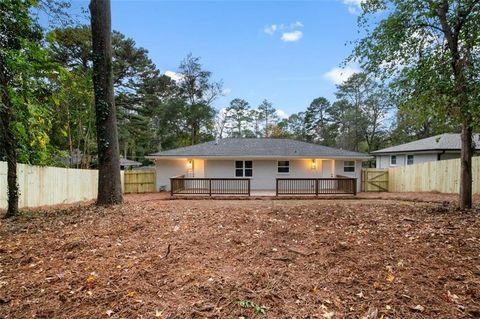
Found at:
<point>180,185</point>
<point>316,186</point>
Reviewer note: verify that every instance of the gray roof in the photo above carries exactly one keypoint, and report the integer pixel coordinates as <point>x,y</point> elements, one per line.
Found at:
<point>258,147</point>
<point>447,141</point>
<point>127,162</point>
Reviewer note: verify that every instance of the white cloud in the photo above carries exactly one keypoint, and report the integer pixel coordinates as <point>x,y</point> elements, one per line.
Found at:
<point>292,36</point>
<point>339,75</point>
<point>354,6</point>
<point>270,29</point>
<point>289,30</point>
<point>174,75</point>
<point>226,91</point>
<point>282,114</point>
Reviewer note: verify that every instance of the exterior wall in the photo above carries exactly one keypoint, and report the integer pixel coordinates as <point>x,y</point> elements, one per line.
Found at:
<point>448,156</point>
<point>169,168</point>
<point>383,161</point>
<point>264,171</point>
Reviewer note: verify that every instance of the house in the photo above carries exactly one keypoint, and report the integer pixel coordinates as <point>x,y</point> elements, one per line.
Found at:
<point>126,164</point>
<point>260,160</point>
<point>435,148</point>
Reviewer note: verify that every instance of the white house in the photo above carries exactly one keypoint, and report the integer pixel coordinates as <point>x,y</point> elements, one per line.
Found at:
<point>261,160</point>
<point>435,148</point>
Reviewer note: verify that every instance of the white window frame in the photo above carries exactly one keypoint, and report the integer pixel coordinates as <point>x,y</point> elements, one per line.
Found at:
<point>391,157</point>
<point>345,166</point>
<point>413,159</point>
<point>288,166</point>
<point>243,169</point>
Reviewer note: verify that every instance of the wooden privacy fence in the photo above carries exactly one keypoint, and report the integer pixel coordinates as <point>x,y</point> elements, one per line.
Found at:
<point>374,180</point>
<point>316,186</point>
<point>40,186</point>
<point>439,176</point>
<point>140,181</point>
<point>180,185</point>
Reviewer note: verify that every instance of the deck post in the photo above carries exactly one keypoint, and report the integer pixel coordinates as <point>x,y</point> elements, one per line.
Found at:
<point>316,186</point>
<point>249,186</point>
<point>171,186</point>
<point>276,188</point>
<point>210,187</point>
<point>355,187</point>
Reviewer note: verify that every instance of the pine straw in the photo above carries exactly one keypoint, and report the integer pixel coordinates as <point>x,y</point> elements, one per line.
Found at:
<point>197,259</point>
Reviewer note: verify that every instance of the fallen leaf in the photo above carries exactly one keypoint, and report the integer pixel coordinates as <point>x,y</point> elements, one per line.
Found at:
<point>109,312</point>
<point>418,308</point>
<point>131,294</point>
<point>315,290</point>
<point>328,315</point>
<point>390,278</point>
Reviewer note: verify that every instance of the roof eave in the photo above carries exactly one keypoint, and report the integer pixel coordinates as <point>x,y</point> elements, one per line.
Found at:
<point>357,157</point>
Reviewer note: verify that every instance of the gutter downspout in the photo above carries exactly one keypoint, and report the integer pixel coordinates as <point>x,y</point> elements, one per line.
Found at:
<point>439,155</point>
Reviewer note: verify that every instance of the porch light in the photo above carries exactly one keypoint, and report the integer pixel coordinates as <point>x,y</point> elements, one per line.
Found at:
<point>189,164</point>
<point>314,164</point>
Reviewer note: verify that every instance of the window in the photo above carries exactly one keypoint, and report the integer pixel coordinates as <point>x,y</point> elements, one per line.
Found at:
<point>409,159</point>
<point>393,160</point>
<point>243,168</point>
<point>349,166</point>
<point>283,167</point>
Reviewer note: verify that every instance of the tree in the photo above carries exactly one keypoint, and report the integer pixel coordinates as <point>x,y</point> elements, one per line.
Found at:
<point>109,184</point>
<point>296,126</point>
<point>24,92</point>
<point>431,52</point>
<point>269,115</point>
<point>198,92</point>
<point>316,121</point>
<point>140,93</point>
<point>238,114</point>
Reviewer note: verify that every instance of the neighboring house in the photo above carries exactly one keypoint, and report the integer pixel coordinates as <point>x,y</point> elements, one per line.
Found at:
<point>260,159</point>
<point>126,164</point>
<point>435,148</point>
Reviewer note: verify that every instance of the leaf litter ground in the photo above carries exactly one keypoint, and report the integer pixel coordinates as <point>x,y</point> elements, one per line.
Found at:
<point>154,258</point>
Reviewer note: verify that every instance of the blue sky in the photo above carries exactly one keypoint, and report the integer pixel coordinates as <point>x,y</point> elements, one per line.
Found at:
<point>288,52</point>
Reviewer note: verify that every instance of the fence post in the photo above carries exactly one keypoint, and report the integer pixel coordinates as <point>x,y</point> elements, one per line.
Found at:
<point>210,187</point>
<point>171,186</point>
<point>354,186</point>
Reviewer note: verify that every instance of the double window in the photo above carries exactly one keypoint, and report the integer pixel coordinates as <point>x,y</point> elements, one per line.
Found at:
<point>283,167</point>
<point>243,168</point>
<point>349,166</point>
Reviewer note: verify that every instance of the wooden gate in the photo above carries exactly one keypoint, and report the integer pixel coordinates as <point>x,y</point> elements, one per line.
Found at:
<point>139,181</point>
<point>374,180</point>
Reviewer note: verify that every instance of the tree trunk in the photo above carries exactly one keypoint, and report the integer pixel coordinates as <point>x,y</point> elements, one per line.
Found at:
<point>465,199</point>
<point>109,183</point>
<point>8,135</point>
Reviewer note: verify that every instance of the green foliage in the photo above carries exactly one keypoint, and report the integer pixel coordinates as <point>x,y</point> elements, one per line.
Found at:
<point>28,82</point>
<point>257,309</point>
<point>430,51</point>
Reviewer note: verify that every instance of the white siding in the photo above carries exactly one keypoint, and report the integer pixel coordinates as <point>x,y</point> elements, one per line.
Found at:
<point>339,164</point>
<point>169,168</point>
<point>383,161</point>
<point>264,171</point>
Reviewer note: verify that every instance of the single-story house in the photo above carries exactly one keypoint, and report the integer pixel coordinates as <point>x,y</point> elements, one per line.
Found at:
<point>126,164</point>
<point>435,148</point>
<point>261,160</point>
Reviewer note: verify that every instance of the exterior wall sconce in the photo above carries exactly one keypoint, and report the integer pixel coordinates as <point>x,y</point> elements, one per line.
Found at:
<point>314,164</point>
<point>189,164</point>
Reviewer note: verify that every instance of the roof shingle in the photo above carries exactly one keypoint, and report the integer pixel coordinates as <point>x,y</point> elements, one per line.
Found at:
<point>447,141</point>
<point>258,147</point>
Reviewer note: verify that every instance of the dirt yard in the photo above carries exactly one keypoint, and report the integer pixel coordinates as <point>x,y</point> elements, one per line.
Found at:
<point>365,258</point>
